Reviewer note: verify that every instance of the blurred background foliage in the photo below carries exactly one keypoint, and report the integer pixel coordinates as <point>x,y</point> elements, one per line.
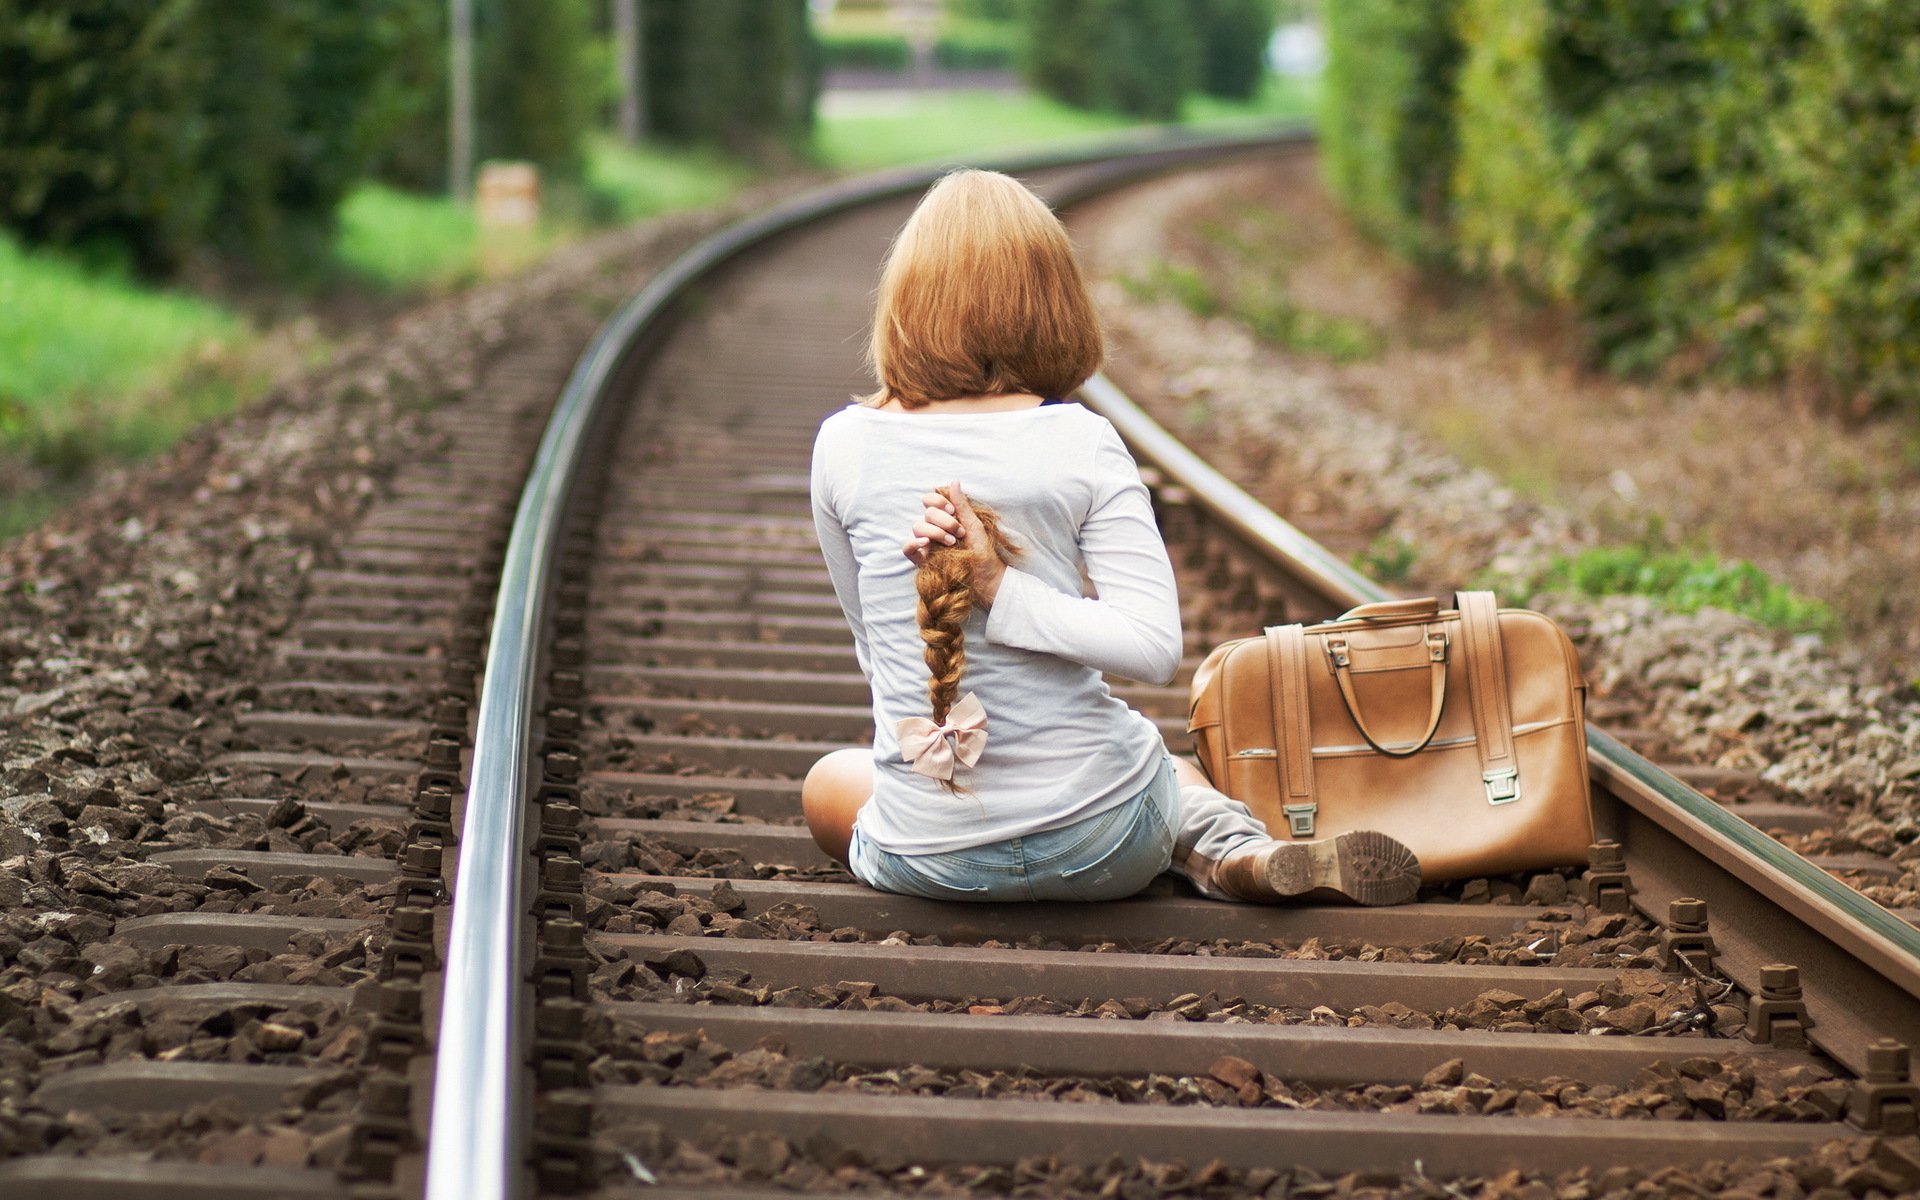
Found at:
<point>186,184</point>
<point>1724,185</point>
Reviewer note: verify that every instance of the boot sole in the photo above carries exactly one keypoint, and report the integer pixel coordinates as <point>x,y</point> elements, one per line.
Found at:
<point>1362,865</point>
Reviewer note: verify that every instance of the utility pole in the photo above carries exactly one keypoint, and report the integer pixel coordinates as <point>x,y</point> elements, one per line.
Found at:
<point>628,46</point>
<point>460,100</point>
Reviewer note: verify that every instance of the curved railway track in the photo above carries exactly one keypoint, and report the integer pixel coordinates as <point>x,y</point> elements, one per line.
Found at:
<point>647,970</point>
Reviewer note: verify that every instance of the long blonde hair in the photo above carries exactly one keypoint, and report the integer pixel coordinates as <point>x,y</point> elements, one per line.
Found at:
<point>981,295</point>
<point>945,584</point>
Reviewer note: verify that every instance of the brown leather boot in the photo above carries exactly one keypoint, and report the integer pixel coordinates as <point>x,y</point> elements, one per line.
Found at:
<point>1360,865</point>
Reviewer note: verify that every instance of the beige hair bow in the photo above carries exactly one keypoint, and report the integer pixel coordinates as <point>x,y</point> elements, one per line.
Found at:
<point>932,749</point>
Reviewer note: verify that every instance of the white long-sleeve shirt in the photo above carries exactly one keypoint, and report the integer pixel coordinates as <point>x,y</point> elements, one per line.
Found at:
<point>1060,746</point>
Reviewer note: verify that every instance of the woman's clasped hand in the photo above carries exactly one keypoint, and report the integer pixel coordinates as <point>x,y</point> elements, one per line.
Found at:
<point>949,521</point>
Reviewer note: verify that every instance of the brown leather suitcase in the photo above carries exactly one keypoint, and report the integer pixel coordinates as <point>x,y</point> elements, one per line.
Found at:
<point>1460,732</point>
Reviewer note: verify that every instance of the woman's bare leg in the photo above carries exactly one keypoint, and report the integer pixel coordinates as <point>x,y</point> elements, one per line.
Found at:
<point>835,789</point>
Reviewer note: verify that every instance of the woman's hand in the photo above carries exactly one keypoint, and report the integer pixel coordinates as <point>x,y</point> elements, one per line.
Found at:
<point>949,520</point>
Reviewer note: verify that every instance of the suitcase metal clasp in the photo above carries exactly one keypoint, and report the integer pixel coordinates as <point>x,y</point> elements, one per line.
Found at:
<point>1503,785</point>
<point>1300,818</point>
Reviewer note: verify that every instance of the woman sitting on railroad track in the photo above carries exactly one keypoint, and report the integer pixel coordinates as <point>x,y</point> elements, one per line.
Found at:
<point>1014,773</point>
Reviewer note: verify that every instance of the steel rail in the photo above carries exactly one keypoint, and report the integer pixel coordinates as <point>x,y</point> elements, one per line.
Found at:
<point>477,1144</point>
<point>1860,964</point>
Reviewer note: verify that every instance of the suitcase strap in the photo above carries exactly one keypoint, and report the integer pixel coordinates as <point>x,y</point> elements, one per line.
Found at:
<point>1436,692</point>
<point>1292,728</point>
<point>1487,687</point>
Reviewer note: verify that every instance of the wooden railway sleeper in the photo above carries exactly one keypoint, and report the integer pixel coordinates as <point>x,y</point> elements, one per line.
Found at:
<point>1777,1014</point>
<point>1885,1099</point>
<point>1606,883</point>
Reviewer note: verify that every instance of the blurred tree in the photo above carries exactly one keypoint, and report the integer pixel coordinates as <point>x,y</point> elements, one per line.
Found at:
<point>736,73</point>
<point>94,155</point>
<point>1132,56</point>
<point>1233,45</point>
<point>174,125</point>
<point>533,86</point>
<point>414,154</point>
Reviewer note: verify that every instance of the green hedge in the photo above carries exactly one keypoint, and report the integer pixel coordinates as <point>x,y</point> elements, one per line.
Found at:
<point>1132,56</point>
<point>1735,182</point>
<point>1386,121</point>
<point>866,51</point>
<point>161,128</point>
<point>979,46</point>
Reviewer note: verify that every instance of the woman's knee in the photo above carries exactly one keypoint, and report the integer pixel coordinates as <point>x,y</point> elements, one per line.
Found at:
<point>833,776</point>
<point>831,796</point>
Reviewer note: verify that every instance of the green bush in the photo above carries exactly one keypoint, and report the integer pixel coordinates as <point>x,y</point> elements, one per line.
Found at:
<point>1727,182</point>
<point>169,126</point>
<point>1233,45</point>
<point>1516,209</point>
<point>1684,581</point>
<point>1850,138</point>
<point>1132,56</point>
<point>1386,121</point>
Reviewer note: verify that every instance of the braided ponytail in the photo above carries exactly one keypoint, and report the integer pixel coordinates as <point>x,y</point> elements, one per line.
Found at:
<point>945,584</point>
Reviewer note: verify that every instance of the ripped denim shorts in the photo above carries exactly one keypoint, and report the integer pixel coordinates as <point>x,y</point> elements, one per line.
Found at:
<point>1107,856</point>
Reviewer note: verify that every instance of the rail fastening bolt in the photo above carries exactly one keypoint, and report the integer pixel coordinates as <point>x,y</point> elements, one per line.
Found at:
<point>565,686</point>
<point>563,767</point>
<point>1780,981</point>
<point>1687,915</point>
<point>1885,1099</point>
<point>443,753</point>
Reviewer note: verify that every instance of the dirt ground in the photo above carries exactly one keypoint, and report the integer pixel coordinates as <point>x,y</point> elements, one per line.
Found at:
<point>1827,506</point>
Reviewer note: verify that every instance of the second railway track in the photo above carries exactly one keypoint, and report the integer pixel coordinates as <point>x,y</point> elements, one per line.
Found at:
<point>650,971</point>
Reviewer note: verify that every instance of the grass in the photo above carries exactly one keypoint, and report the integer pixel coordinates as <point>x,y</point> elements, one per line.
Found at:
<point>1260,303</point>
<point>97,366</point>
<point>636,182</point>
<point>1388,559</point>
<point>1685,580</point>
<point>400,241</point>
<point>70,330</point>
<point>405,242</point>
<point>868,132</point>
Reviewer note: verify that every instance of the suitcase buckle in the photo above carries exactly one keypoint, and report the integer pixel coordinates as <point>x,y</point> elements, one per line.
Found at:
<point>1337,651</point>
<point>1300,818</point>
<point>1437,645</point>
<point>1503,785</point>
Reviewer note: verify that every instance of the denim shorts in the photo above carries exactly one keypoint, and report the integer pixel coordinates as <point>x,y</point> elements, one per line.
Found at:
<point>1105,857</point>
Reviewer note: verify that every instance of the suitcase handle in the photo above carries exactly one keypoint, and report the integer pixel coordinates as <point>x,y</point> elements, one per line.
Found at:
<point>1393,610</point>
<point>1437,701</point>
